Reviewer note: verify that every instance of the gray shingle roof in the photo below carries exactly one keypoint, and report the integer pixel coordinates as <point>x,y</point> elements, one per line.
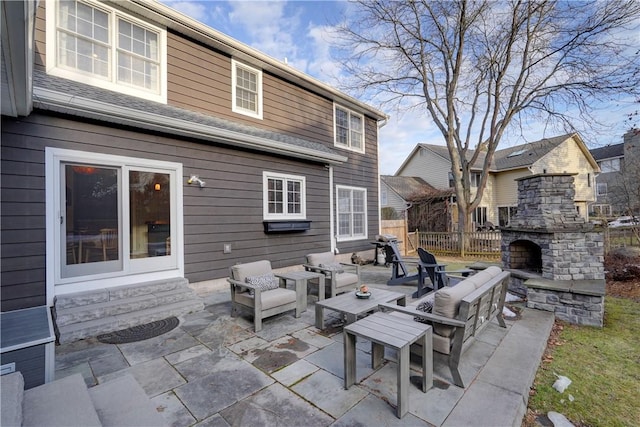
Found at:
<point>76,89</point>
<point>509,158</point>
<point>608,152</point>
<point>405,186</point>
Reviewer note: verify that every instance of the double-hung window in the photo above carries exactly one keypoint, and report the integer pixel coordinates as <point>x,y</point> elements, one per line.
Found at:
<point>284,196</point>
<point>601,189</point>
<point>349,129</point>
<point>246,88</point>
<point>475,179</point>
<point>95,44</point>
<point>352,213</point>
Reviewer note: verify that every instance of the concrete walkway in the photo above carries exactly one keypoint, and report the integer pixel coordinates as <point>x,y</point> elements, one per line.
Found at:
<point>213,370</point>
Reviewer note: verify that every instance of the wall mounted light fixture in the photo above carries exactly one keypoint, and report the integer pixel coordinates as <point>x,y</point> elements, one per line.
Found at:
<point>196,180</point>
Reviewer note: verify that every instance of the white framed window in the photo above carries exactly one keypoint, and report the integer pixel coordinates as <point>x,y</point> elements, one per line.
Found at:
<point>601,189</point>
<point>352,213</point>
<point>479,215</point>
<point>246,89</point>
<point>349,129</point>
<point>284,196</point>
<point>109,217</point>
<point>475,179</point>
<point>95,44</point>
<point>610,165</point>
<point>505,214</point>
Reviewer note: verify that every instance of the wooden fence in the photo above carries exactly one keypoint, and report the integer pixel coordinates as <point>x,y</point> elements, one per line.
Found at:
<point>480,244</point>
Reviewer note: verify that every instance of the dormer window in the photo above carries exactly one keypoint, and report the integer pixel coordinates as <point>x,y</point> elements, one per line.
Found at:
<point>101,46</point>
<point>246,89</point>
<point>349,129</point>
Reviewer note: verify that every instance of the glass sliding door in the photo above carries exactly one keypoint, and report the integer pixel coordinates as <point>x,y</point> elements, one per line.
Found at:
<point>91,219</point>
<point>112,216</point>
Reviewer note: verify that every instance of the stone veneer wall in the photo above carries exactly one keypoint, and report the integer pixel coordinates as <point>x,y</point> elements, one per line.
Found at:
<point>577,303</point>
<point>565,255</point>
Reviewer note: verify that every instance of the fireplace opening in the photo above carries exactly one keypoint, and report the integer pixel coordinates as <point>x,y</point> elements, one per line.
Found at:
<point>525,255</point>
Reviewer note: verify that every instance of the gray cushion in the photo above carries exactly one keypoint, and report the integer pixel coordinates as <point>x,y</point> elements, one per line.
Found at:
<point>321,258</point>
<point>242,271</point>
<point>264,282</point>
<point>333,266</point>
<point>271,299</point>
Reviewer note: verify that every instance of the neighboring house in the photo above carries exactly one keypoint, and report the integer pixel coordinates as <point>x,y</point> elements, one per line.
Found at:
<point>395,192</point>
<point>184,150</point>
<point>619,165</point>
<point>561,154</point>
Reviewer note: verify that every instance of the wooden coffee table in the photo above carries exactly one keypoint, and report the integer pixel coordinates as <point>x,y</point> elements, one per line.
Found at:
<point>352,306</point>
<point>398,333</point>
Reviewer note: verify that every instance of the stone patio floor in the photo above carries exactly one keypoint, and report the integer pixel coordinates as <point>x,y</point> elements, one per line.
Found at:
<point>213,370</point>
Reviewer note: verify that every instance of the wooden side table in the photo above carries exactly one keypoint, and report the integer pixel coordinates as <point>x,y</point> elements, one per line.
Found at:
<point>397,332</point>
<point>301,278</point>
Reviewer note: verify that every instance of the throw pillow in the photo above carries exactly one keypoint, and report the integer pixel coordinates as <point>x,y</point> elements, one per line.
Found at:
<point>427,307</point>
<point>264,282</point>
<point>333,266</point>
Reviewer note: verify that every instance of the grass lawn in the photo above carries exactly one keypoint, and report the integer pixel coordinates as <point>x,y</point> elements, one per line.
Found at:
<point>603,365</point>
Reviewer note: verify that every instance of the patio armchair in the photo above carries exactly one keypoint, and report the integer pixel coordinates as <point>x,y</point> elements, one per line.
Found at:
<point>255,288</point>
<point>339,277</point>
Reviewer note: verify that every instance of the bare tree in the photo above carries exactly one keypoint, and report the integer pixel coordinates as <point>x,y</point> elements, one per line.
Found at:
<point>478,68</point>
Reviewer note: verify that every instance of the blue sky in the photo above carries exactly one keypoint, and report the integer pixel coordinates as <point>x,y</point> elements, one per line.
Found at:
<point>300,31</point>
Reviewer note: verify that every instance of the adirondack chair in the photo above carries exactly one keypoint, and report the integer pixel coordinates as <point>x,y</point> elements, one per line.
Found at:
<point>437,273</point>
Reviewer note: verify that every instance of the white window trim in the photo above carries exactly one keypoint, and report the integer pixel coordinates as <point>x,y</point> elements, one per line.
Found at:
<point>265,196</point>
<point>335,130</point>
<point>234,66</point>
<point>56,285</point>
<point>54,70</point>
<point>366,214</point>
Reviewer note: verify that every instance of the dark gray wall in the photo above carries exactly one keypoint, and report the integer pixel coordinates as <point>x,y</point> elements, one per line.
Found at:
<point>227,210</point>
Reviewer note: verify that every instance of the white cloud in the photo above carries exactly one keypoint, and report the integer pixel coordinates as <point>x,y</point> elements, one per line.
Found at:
<point>196,10</point>
<point>268,27</point>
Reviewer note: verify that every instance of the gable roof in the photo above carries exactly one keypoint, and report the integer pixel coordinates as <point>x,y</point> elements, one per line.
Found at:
<point>516,157</point>
<point>66,96</point>
<point>608,152</point>
<point>405,186</point>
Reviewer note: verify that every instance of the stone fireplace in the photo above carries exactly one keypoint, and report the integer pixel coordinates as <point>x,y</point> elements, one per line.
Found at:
<point>555,256</point>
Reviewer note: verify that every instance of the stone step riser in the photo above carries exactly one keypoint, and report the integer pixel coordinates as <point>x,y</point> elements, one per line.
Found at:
<point>105,295</point>
<point>78,331</point>
<point>85,313</point>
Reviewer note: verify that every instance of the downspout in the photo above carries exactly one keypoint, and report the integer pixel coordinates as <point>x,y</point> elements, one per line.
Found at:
<point>334,245</point>
<point>381,124</point>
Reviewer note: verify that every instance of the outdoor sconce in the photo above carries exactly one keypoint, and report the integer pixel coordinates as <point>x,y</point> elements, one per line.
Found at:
<point>195,179</point>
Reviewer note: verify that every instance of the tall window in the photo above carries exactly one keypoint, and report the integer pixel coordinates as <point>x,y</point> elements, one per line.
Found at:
<point>352,213</point>
<point>284,196</point>
<point>479,215</point>
<point>349,131</point>
<point>95,44</point>
<point>505,213</point>
<point>246,89</point>
<point>475,179</point>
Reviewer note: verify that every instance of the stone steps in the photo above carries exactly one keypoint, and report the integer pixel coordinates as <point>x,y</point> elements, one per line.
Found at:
<point>91,313</point>
<point>67,402</point>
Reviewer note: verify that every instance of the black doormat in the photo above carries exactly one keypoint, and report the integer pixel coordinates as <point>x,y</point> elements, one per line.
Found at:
<point>141,332</point>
